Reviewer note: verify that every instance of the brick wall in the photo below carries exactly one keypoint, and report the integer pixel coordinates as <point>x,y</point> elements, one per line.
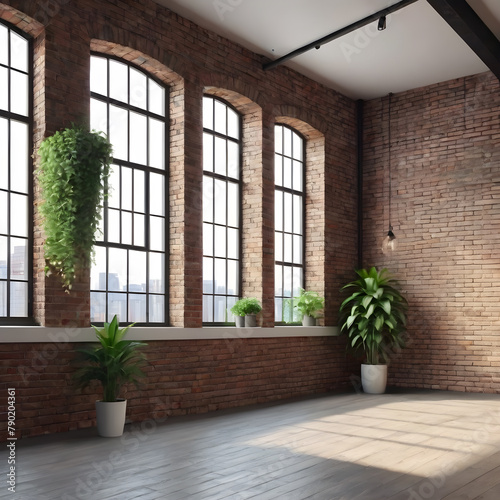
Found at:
<point>445,166</point>
<point>192,61</point>
<point>183,377</point>
<point>445,213</point>
<point>192,376</point>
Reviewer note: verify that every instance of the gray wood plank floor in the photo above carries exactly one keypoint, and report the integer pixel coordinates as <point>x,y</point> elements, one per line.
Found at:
<point>418,445</point>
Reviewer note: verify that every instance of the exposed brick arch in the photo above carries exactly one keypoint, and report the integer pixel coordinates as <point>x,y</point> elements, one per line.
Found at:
<point>244,104</point>
<point>308,131</point>
<point>120,41</point>
<point>30,25</point>
<point>142,59</point>
<point>222,86</point>
<point>306,122</point>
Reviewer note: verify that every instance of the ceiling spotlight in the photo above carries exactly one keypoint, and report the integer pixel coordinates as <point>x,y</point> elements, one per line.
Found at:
<point>381,24</point>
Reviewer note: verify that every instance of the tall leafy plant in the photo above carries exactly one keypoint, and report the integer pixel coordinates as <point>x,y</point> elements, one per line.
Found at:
<point>113,362</point>
<point>74,167</point>
<point>374,316</point>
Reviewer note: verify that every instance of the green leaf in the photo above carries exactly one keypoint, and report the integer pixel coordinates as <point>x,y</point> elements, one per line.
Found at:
<point>370,311</point>
<point>371,285</point>
<point>365,302</point>
<point>379,323</point>
<point>386,306</point>
<point>355,340</point>
<point>350,320</point>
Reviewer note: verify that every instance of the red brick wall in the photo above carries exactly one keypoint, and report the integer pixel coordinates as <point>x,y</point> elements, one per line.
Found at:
<point>193,376</point>
<point>183,377</point>
<point>445,165</point>
<point>191,61</point>
<point>445,213</point>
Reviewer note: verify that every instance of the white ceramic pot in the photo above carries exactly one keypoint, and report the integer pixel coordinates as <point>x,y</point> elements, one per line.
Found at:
<point>111,417</point>
<point>308,320</point>
<point>374,378</point>
<point>239,321</point>
<point>250,320</point>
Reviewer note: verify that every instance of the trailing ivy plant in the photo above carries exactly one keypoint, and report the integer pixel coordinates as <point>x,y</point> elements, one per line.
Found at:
<point>74,167</point>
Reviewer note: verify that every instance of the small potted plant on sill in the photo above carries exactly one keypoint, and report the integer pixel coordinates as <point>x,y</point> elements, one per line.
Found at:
<point>374,319</point>
<point>113,362</point>
<point>247,308</point>
<point>309,304</point>
<point>239,313</point>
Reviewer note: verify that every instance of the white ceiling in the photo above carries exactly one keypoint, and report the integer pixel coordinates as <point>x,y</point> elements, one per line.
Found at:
<point>418,47</point>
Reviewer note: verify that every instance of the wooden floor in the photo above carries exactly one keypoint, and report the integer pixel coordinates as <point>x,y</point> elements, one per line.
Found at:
<point>399,446</point>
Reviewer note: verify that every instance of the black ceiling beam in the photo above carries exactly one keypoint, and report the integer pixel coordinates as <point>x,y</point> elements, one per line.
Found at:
<point>470,27</point>
<point>337,34</point>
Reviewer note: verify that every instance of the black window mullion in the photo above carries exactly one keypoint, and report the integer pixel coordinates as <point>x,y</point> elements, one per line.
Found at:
<point>148,291</point>
<point>9,200</point>
<point>30,177</point>
<point>120,204</point>
<point>127,289</point>
<point>107,285</point>
<point>214,290</point>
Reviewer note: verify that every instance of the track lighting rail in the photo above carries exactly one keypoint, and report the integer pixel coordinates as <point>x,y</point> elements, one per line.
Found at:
<point>337,34</point>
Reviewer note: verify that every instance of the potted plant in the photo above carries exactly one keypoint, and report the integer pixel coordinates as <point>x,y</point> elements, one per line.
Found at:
<point>113,362</point>
<point>248,308</point>
<point>374,319</point>
<point>309,304</point>
<point>74,166</point>
<point>239,313</point>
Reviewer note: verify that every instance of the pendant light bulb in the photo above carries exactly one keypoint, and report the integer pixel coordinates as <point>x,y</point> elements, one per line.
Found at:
<point>389,243</point>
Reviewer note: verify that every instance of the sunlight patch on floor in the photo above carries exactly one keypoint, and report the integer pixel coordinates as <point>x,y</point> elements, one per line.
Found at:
<point>421,438</point>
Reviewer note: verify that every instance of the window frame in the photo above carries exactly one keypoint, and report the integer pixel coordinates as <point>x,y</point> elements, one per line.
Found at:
<point>225,178</point>
<point>148,170</point>
<point>292,191</point>
<point>27,320</point>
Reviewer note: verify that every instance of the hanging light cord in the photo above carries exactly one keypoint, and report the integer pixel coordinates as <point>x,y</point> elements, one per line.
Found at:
<point>390,173</point>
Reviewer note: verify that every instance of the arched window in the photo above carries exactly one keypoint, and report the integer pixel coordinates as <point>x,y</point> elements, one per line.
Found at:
<point>15,174</point>
<point>289,220</point>
<point>221,209</point>
<point>129,275</point>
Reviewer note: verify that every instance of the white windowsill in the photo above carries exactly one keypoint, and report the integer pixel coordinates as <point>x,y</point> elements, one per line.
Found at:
<point>39,334</point>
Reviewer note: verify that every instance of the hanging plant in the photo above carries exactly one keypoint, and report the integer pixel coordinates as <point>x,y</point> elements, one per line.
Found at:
<point>74,167</point>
